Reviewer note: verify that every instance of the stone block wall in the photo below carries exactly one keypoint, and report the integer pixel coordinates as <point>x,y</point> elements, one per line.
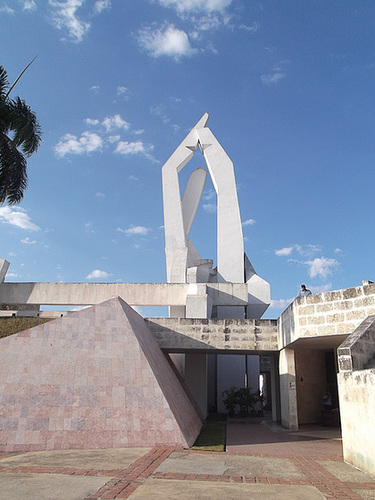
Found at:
<point>178,334</point>
<point>357,396</point>
<point>357,410</point>
<point>328,313</point>
<point>359,347</point>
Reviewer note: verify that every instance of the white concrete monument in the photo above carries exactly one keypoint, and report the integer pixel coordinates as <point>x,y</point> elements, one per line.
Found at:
<point>183,262</point>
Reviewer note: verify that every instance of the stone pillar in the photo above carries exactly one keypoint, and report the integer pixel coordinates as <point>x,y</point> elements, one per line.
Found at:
<point>196,378</point>
<point>288,393</point>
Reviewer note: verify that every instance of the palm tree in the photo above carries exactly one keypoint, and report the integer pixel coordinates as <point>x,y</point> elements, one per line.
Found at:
<point>20,136</point>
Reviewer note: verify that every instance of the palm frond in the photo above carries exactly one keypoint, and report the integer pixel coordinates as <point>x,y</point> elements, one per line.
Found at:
<point>19,76</point>
<point>23,122</point>
<point>13,172</point>
<point>3,82</point>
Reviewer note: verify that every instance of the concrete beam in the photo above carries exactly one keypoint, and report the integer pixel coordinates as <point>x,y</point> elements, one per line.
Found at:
<point>135,294</point>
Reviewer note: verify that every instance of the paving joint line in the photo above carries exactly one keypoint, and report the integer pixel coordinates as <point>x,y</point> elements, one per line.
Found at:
<point>134,476</point>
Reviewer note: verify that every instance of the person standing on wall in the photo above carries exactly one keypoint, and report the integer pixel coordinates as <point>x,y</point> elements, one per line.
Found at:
<point>304,291</point>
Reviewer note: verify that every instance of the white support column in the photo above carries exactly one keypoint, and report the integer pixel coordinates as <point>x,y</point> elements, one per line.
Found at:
<point>230,247</point>
<point>288,393</point>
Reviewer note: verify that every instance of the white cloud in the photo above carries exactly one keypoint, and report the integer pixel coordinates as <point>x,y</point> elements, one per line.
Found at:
<point>210,208</point>
<point>321,267</point>
<point>114,138</point>
<point>97,274</point>
<point>115,122</point>
<point>88,228</point>
<point>140,230</point>
<point>276,75</point>
<point>91,141</point>
<point>12,275</point>
<point>182,6</point>
<point>165,41</point>
<point>281,303</point>
<point>17,217</point>
<point>101,5</point>
<point>209,194</point>
<point>70,144</point>
<point>100,195</point>
<point>64,18</point>
<point>27,241</point>
<point>304,250</point>
<point>91,121</point>
<point>95,89</point>
<point>7,10</point>
<point>272,78</point>
<point>251,29</point>
<point>29,5</point>
<point>321,288</point>
<point>133,178</point>
<point>123,92</point>
<point>248,222</point>
<point>283,252</point>
<point>205,23</point>
<point>130,148</point>
<point>160,111</point>
<point>138,132</point>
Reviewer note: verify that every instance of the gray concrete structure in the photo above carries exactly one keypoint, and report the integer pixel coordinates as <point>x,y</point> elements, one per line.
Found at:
<point>135,294</point>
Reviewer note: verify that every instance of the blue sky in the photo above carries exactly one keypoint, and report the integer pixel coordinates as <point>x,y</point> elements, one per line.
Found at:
<point>117,84</point>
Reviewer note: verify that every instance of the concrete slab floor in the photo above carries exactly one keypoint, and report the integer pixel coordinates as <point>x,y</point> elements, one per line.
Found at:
<point>365,494</point>
<point>233,465</point>
<point>346,472</point>
<point>48,487</point>
<point>117,458</point>
<point>275,465</point>
<point>186,490</point>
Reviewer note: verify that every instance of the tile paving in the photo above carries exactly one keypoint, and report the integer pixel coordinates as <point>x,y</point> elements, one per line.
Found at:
<point>260,461</point>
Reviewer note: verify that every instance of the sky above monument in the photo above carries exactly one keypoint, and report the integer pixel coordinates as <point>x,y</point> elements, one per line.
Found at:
<point>117,84</point>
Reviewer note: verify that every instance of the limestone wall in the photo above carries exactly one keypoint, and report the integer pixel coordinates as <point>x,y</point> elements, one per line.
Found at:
<point>357,410</point>
<point>357,396</point>
<point>178,335</point>
<point>359,347</point>
<point>328,313</point>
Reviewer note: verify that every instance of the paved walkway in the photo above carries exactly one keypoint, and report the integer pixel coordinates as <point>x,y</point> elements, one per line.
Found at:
<point>262,460</point>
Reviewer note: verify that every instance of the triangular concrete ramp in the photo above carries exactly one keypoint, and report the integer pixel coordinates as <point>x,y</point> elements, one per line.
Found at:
<point>93,379</point>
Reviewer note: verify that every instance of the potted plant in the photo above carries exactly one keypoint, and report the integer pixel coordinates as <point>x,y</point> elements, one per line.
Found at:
<point>245,401</point>
<point>230,400</point>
